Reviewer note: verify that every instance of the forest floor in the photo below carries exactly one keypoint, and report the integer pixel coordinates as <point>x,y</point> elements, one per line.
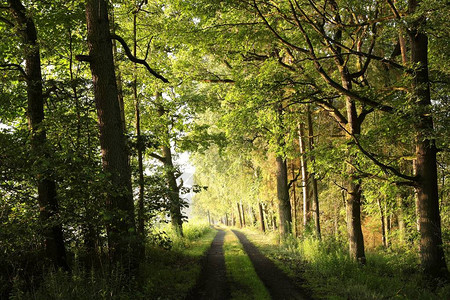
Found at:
<point>214,284</point>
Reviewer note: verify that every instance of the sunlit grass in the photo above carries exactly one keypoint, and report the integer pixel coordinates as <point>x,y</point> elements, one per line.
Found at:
<point>244,282</point>
<point>192,231</point>
<point>328,271</point>
<point>171,274</point>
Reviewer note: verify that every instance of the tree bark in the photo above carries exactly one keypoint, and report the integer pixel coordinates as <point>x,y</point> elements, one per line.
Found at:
<point>174,192</point>
<point>239,213</point>
<point>175,204</point>
<point>118,74</point>
<point>388,227</point>
<point>383,230</point>
<point>313,180</point>
<point>305,180</point>
<point>261,217</point>
<point>284,204</point>
<point>47,198</point>
<point>119,202</point>
<point>353,200</point>
<point>267,217</point>
<point>140,146</point>
<point>294,204</point>
<point>431,251</point>
<point>243,215</point>
<point>401,217</point>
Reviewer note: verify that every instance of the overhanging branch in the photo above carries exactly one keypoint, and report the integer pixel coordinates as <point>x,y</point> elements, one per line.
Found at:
<point>412,179</point>
<point>137,60</point>
<point>158,157</point>
<point>14,67</point>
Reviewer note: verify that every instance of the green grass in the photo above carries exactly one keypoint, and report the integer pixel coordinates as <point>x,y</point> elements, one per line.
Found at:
<point>166,274</point>
<point>244,282</point>
<point>171,274</point>
<point>331,274</point>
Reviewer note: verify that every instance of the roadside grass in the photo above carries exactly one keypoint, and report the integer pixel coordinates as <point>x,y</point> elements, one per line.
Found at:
<point>329,273</point>
<point>244,282</point>
<point>171,274</point>
<point>166,274</point>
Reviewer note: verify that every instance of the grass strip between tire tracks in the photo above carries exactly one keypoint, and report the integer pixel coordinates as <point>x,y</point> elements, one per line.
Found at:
<point>244,282</point>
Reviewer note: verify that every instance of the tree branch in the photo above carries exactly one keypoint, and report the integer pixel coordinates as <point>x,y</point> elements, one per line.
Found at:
<point>5,20</point>
<point>15,67</point>
<point>394,9</point>
<point>82,57</point>
<point>135,59</point>
<point>364,114</point>
<point>333,111</point>
<point>277,35</point>
<point>386,168</point>
<point>218,80</point>
<point>158,157</point>
<point>293,180</point>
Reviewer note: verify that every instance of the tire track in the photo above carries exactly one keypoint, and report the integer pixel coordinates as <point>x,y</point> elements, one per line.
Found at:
<point>279,285</point>
<point>212,283</point>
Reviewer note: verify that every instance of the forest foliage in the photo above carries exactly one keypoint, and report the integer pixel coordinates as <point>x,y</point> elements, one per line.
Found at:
<point>315,119</point>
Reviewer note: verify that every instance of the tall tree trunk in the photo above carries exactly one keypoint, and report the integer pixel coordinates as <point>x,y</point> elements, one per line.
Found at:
<point>336,219</point>
<point>243,214</point>
<point>118,73</point>
<point>274,222</point>
<point>284,204</point>
<point>121,227</point>
<point>174,192</point>
<point>47,198</point>
<point>176,215</point>
<point>239,213</point>
<point>267,217</point>
<point>305,180</point>
<point>313,180</point>
<point>383,230</point>
<point>401,218</point>
<point>431,251</point>
<point>353,200</point>
<point>352,128</point>
<point>140,146</point>
<point>388,227</point>
<point>261,217</point>
<point>294,204</point>
<point>253,214</point>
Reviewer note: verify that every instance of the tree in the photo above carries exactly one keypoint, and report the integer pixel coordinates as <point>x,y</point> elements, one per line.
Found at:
<point>121,227</point>
<point>426,185</point>
<point>175,201</point>
<point>48,203</point>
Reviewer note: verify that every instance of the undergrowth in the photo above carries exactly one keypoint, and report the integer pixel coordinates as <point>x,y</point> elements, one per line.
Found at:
<point>164,274</point>
<point>328,271</point>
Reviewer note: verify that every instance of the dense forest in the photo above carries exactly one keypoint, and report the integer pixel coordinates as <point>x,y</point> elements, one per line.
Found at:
<point>319,128</point>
